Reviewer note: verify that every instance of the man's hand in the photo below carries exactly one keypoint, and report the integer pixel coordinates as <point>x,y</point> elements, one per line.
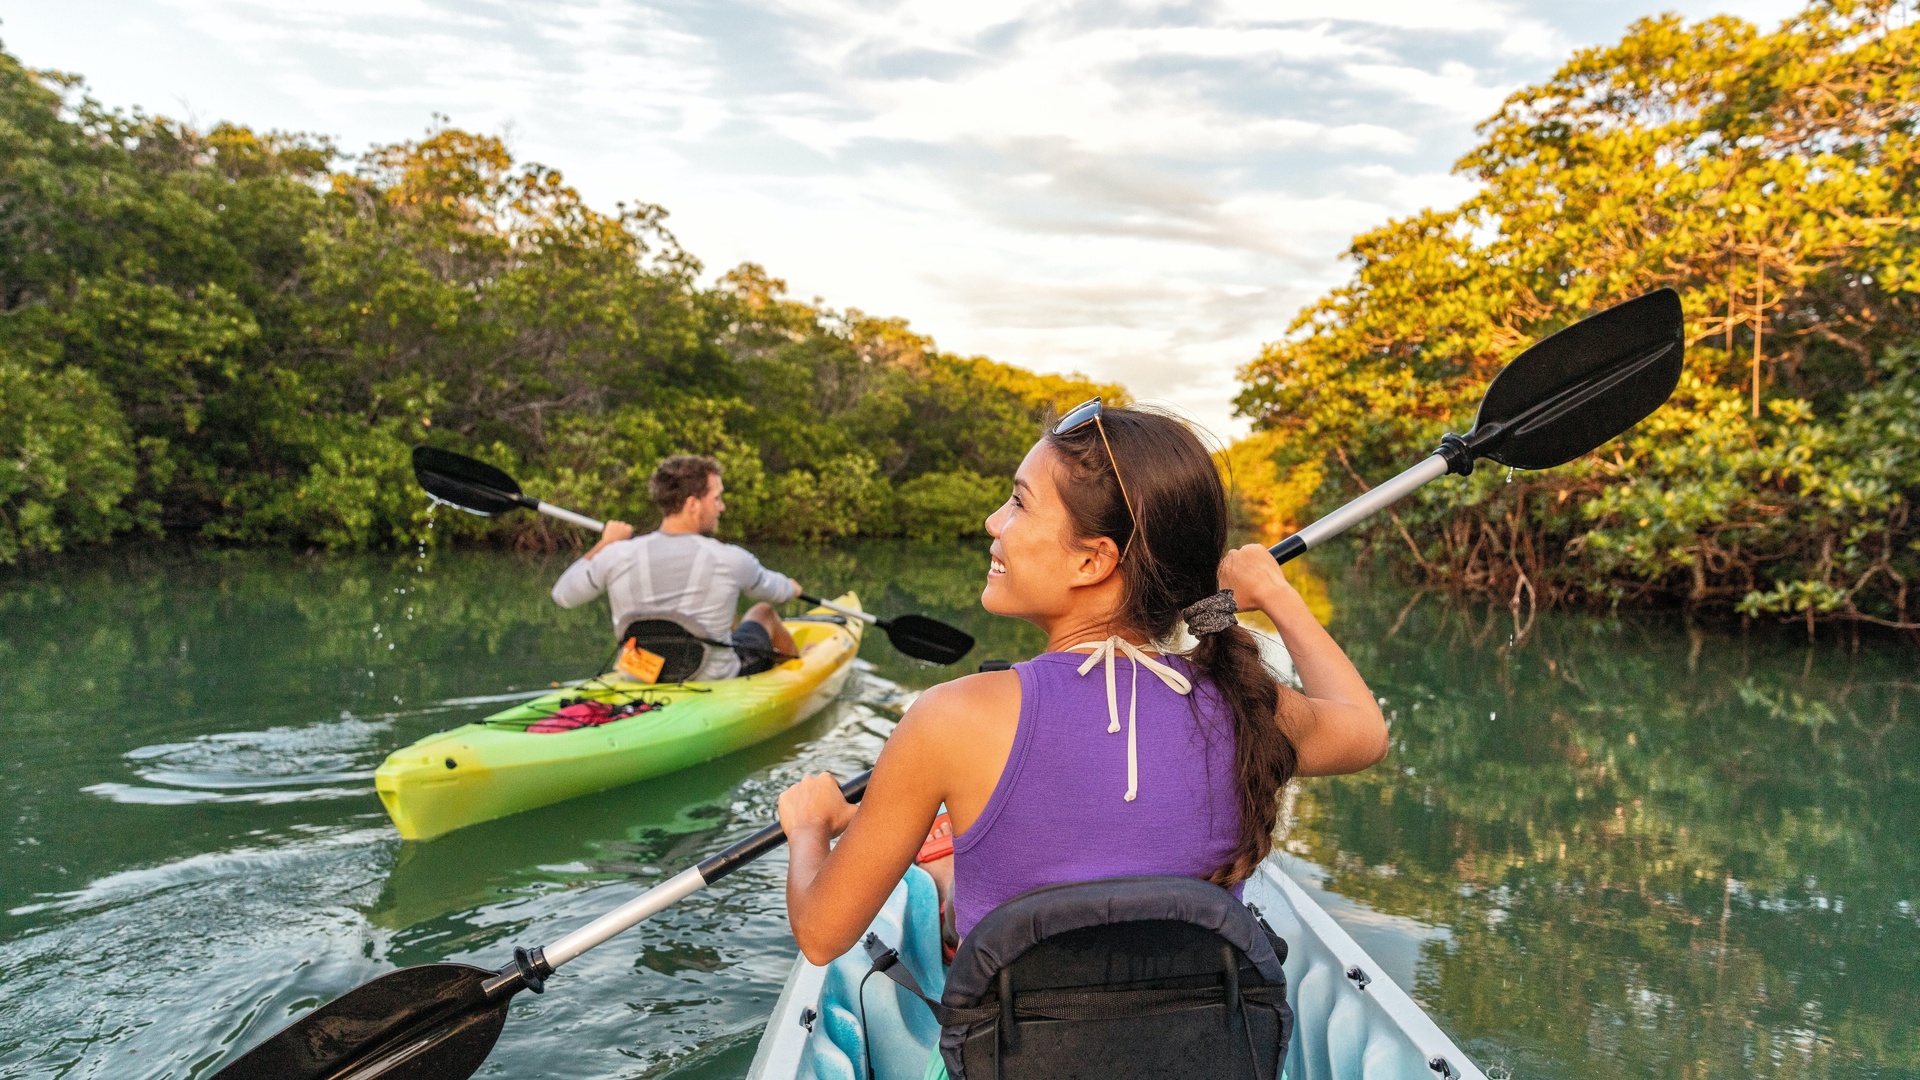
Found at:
<point>796,589</point>
<point>615,532</point>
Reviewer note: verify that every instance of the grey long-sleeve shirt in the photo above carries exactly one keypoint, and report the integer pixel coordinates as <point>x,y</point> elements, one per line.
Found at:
<point>685,574</point>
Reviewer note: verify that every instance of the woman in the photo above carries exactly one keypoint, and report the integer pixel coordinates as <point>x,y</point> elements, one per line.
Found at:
<point>1101,757</point>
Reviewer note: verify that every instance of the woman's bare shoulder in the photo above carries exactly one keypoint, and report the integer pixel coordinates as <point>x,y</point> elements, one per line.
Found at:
<point>956,738</point>
<point>962,710</point>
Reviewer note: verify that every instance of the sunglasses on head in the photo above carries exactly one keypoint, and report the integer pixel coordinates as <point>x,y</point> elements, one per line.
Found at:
<point>1080,416</point>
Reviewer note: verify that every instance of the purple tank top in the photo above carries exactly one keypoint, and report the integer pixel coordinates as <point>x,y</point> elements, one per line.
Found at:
<point>1059,812</point>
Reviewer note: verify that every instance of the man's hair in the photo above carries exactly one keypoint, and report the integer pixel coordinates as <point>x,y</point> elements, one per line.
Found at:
<point>679,478</point>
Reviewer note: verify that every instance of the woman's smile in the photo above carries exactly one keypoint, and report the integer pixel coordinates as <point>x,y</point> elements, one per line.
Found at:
<point>996,567</point>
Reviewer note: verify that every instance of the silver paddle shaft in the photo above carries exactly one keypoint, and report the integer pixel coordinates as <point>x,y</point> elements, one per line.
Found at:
<point>1432,468</point>
<point>626,916</point>
<point>851,613</point>
<point>569,516</point>
<point>681,885</point>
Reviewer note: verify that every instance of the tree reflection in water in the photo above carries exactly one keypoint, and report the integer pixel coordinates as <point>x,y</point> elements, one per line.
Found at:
<point>1661,849</point>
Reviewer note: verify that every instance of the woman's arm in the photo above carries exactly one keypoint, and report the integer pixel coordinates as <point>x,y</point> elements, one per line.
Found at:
<point>1335,722</point>
<point>834,891</point>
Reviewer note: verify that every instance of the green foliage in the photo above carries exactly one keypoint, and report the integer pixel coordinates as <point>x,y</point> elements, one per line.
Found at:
<point>1774,180</point>
<point>941,506</point>
<point>251,332</point>
<point>65,462</point>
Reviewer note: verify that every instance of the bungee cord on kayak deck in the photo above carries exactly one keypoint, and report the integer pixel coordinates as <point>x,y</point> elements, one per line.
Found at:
<point>576,713</point>
<point>536,754</point>
<point>572,713</point>
<point>583,711</point>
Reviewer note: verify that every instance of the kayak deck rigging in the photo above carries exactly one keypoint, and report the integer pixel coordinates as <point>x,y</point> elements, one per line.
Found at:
<point>497,766</point>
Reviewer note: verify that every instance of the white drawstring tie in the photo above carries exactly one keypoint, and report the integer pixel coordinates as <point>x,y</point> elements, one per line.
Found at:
<point>1104,651</point>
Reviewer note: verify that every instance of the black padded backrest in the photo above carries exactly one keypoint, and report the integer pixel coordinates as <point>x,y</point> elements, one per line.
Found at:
<point>1149,953</point>
<point>1120,978</point>
<point>1037,914</point>
<point>670,641</point>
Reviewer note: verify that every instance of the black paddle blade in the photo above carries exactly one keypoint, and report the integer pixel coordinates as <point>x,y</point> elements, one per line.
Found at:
<point>465,482</point>
<point>1584,385</point>
<point>432,1022</point>
<point>926,639</point>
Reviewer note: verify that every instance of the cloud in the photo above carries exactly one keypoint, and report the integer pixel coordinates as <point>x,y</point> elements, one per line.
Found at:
<point>1140,189</point>
<point>1454,88</point>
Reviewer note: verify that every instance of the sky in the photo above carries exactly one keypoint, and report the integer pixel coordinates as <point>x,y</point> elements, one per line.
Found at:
<point>1139,191</point>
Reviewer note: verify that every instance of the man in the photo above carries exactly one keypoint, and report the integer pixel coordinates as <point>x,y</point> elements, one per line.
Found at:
<point>682,573</point>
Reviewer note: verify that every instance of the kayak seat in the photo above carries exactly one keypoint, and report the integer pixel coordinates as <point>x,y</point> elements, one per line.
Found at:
<point>682,650</point>
<point>1114,979</point>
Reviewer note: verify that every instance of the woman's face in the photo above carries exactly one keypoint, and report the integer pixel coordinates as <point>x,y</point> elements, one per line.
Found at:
<point>1038,570</point>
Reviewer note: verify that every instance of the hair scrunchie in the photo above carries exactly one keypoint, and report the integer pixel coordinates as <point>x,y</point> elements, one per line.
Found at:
<point>1212,614</point>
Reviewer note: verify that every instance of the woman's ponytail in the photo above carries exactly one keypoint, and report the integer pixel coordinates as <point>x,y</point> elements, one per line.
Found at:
<point>1263,755</point>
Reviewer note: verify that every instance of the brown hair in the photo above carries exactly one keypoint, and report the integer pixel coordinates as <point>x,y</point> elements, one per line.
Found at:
<point>1173,562</point>
<point>679,478</point>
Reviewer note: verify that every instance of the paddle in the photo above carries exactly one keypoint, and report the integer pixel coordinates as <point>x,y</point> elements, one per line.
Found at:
<point>1564,396</point>
<point>479,488</point>
<point>441,1020</point>
<point>916,635</point>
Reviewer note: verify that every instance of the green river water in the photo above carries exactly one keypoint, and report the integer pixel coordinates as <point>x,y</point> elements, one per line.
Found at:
<point>1601,847</point>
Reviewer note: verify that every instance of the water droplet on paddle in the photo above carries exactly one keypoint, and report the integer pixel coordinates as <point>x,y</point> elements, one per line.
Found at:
<point>420,542</point>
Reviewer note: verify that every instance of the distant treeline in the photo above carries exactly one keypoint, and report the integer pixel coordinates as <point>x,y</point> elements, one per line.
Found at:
<point>238,336</point>
<point>1774,180</point>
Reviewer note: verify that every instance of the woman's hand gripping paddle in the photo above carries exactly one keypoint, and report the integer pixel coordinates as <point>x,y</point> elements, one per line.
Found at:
<point>1566,395</point>
<point>479,488</point>
<point>439,1021</point>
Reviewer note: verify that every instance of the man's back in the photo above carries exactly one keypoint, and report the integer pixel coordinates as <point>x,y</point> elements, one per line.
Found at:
<point>686,574</point>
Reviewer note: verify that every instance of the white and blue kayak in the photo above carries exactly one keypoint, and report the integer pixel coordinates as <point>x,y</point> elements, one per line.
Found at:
<point>1352,1022</point>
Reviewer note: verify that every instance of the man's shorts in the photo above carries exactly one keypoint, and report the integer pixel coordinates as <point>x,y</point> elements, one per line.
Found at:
<point>755,647</point>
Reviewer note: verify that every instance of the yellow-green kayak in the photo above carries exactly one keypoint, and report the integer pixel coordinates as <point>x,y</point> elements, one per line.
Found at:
<point>497,767</point>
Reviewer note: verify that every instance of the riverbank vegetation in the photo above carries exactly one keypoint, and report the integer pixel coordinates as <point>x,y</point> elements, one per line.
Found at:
<point>1622,823</point>
<point>1774,180</point>
<point>237,337</point>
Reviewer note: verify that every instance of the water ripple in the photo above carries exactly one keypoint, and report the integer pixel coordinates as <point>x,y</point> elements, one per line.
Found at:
<point>251,863</point>
<point>136,795</point>
<point>331,752</point>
